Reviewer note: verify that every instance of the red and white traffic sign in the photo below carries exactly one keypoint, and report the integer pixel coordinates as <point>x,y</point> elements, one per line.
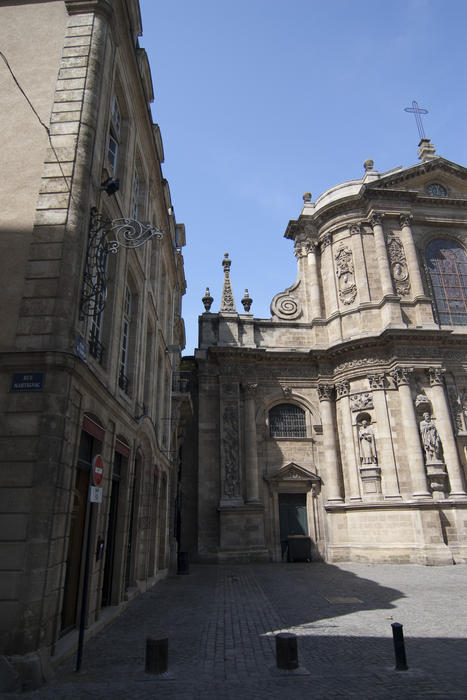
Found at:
<point>97,470</point>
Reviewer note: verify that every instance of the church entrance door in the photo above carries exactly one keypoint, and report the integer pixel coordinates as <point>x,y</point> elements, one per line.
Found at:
<point>292,516</point>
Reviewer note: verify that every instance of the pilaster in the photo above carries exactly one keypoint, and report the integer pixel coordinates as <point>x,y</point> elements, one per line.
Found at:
<point>391,311</point>
<point>231,487</point>
<point>346,439</point>
<point>333,482</point>
<point>386,450</point>
<point>448,439</point>
<point>415,460</point>
<point>251,453</point>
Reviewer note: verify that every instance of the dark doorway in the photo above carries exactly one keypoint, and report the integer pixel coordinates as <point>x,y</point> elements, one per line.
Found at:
<point>74,560</point>
<point>292,516</point>
<point>109,564</point>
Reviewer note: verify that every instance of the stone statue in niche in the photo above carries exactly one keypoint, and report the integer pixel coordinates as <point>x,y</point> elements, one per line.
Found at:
<point>431,440</point>
<point>366,441</point>
<point>345,276</point>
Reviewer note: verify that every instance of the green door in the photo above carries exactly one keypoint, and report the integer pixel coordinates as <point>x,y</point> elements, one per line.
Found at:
<point>292,516</point>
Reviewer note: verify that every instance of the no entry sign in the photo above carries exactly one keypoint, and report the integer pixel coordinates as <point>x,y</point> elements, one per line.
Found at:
<point>97,470</point>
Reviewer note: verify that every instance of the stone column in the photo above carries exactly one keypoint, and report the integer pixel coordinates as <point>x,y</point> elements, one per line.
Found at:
<point>411,255</point>
<point>381,254</point>
<point>386,455</point>
<point>333,483</point>
<point>251,453</point>
<point>314,284</point>
<point>415,459</point>
<point>327,264</point>
<point>302,248</point>
<point>446,433</point>
<point>346,438</point>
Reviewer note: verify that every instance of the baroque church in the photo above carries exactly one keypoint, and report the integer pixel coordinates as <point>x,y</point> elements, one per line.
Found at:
<point>336,429</point>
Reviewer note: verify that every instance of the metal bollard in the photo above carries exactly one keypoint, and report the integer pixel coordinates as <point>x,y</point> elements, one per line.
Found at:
<point>286,651</point>
<point>399,647</point>
<point>157,655</point>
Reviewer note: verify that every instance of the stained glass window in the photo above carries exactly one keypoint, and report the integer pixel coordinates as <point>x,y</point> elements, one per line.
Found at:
<point>447,266</point>
<point>287,420</point>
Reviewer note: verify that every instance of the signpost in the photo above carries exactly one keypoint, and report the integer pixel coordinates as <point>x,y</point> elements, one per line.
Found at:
<point>94,496</point>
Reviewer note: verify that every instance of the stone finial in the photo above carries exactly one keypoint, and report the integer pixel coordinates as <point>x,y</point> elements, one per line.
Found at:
<point>426,150</point>
<point>307,197</point>
<point>369,164</point>
<point>207,300</point>
<point>247,302</point>
<point>227,301</point>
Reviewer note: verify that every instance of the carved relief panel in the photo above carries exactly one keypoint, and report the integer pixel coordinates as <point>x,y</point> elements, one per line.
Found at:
<point>361,401</point>
<point>398,263</point>
<point>230,442</point>
<point>345,275</point>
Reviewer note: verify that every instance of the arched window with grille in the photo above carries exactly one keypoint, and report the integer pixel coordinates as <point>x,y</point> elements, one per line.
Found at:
<point>447,266</point>
<point>287,420</point>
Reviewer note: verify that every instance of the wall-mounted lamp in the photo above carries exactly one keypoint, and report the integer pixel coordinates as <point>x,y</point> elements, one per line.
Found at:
<point>111,185</point>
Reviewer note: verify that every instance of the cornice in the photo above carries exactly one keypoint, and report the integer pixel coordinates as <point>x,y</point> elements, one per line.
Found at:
<point>99,7</point>
<point>387,342</point>
<point>395,505</point>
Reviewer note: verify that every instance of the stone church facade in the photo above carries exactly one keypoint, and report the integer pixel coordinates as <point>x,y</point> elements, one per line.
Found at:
<point>343,416</point>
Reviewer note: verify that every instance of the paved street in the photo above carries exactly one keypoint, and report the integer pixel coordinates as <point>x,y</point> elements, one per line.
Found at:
<point>221,621</point>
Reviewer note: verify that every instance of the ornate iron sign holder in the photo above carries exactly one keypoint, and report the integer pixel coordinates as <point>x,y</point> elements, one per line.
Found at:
<point>128,233</point>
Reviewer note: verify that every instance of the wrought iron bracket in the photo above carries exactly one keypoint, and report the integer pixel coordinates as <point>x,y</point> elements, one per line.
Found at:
<point>126,233</point>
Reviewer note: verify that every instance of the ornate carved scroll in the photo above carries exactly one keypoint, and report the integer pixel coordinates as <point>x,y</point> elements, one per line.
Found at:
<point>285,306</point>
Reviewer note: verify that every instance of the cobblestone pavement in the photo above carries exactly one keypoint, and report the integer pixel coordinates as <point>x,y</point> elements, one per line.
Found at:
<point>221,621</point>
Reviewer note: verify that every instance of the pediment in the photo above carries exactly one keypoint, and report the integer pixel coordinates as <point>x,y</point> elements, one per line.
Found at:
<point>417,177</point>
<point>293,472</point>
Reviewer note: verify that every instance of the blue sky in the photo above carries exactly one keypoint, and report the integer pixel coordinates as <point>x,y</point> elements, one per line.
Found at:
<point>261,101</point>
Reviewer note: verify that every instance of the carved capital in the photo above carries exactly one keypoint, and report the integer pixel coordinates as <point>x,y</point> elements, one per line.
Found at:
<point>303,246</point>
<point>436,376</point>
<point>326,241</point>
<point>376,219</point>
<point>401,375</point>
<point>405,220</point>
<point>325,392</point>
<point>376,381</point>
<point>355,229</point>
<point>249,389</point>
<point>342,388</point>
